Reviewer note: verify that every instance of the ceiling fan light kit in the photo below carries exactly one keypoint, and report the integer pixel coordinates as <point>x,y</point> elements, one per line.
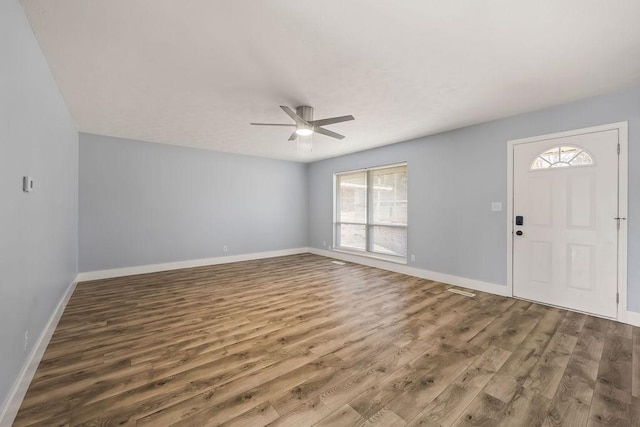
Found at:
<point>304,131</point>
<point>305,125</point>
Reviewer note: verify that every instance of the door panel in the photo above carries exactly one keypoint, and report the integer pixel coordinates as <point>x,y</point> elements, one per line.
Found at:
<point>581,199</point>
<point>540,264</point>
<point>567,253</point>
<point>541,190</point>
<point>582,260</point>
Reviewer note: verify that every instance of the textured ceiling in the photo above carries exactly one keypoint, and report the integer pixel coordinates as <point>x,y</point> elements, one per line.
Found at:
<point>196,72</point>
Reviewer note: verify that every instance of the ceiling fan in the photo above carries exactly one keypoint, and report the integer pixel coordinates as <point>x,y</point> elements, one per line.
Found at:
<point>305,125</point>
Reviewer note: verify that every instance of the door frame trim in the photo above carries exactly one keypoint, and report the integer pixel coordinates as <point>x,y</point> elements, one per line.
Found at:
<point>623,195</point>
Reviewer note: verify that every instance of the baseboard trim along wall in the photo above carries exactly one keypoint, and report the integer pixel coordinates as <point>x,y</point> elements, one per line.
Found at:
<point>13,401</point>
<point>154,268</point>
<point>462,282</point>
<point>633,318</point>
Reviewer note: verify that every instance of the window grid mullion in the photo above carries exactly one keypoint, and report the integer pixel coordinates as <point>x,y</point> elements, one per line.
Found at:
<point>336,227</point>
<point>368,208</point>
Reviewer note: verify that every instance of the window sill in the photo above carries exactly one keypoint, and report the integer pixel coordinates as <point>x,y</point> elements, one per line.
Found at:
<point>381,257</point>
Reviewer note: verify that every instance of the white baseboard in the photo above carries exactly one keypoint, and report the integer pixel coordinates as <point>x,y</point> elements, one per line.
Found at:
<point>633,318</point>
<point>13,401</point>
<point>154,268</point>
<point>462,282</point>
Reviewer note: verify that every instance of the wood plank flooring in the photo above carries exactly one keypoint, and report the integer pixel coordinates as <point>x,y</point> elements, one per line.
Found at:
<point>301,341</point>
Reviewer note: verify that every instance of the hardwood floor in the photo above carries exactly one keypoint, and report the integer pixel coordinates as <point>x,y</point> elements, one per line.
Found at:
<point>299,340</point>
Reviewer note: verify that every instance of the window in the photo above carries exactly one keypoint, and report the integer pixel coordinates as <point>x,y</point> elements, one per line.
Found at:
<point>559,157</point>
<point>371,211</point>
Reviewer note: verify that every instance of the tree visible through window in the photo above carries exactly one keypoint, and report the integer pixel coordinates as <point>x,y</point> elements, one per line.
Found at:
<point>371,210</point>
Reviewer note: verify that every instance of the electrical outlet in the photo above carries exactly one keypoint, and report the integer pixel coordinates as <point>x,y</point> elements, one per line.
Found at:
<point>413,258</point>
<point>26,341</point>
<point>224,249</point>
<point>324,243</point>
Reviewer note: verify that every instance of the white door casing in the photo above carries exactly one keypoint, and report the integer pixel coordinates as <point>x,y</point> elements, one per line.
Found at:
<point>570,252</point>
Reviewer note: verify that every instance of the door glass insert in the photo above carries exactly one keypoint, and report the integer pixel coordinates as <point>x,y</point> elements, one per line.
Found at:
<point>563,156</point>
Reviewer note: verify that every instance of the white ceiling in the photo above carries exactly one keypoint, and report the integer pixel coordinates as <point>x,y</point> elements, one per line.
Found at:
<point>196,72</point>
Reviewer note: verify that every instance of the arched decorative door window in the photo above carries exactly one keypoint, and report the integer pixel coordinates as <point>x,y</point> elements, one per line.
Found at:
<point>563,156</point>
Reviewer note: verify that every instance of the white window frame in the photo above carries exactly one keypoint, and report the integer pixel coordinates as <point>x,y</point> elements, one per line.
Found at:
<point>368,224</point>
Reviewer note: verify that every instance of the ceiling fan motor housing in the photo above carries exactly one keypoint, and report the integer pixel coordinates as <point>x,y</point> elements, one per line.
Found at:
<point>305,112</point>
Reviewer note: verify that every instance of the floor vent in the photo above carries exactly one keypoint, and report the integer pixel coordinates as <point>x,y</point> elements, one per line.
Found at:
<point>457,291</point>
<point>338,262</point>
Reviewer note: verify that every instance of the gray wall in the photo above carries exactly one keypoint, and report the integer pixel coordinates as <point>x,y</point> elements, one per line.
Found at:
<point>454,176</point>
<point>38,231</point>
<point>146,203</point>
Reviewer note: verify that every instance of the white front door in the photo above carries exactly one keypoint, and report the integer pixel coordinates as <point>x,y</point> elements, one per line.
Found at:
<point>565,196</point>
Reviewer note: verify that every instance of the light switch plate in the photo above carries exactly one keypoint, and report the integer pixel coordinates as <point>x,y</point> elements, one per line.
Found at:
<point>496,206</point>
<point>27,184</point>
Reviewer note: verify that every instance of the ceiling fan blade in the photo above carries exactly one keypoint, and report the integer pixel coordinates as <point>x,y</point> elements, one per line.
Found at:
<point>327,133</point>
<point>293,136</point>
<point>271,124</point>
<point>293,115</point>
<point>331,120</point>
